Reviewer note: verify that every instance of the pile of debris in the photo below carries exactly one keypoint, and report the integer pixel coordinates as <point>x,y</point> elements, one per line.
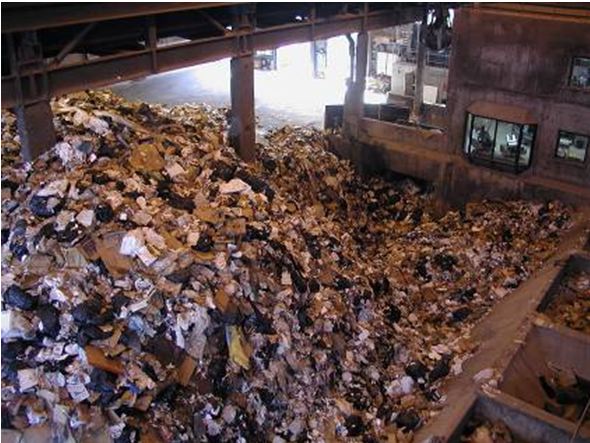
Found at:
<point>481,430</point>
<point>567,394</point>
<point>571,307</point>
<point>154,286</point>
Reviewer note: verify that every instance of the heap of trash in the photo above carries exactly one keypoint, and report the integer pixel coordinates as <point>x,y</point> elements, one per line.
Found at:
<point>155,287</point>
<point>571,308</point>
<point>481,430</point>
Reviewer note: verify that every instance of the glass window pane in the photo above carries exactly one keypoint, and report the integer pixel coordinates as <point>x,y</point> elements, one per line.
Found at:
<point>501,144</point>
<point>482,137</point>
<point>526,145</point>
<point>467,131</point>
<point>572,146</point>
<point>580,77</point>
<point>506,147</point>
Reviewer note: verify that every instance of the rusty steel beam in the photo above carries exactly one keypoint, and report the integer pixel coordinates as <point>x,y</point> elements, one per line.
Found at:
<point>558,11</point>
<point>131,65</point>
<point>35,129</point>
<point>213,22</point>
<point>40,16</point>
<point>73,43</point>
<point>416,114</point>
<point>242,131</point>
<point>353,102</point>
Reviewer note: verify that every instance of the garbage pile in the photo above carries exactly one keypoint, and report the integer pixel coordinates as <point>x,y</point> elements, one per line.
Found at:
<point>567,395</point>
<point>156,287</point>
<point>482,430</point>
<point>571,307</point>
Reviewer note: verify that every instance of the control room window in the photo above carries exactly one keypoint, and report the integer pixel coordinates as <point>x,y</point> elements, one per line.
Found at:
<point>580,75</point>
<point>572,146</point>
<point>500,144</point>
<point>526,145</point>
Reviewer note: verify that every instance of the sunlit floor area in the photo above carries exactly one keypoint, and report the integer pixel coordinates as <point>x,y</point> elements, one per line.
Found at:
<point>288,95</point>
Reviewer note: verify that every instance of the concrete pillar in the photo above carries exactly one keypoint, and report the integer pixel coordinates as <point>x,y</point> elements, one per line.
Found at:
<point>35,129</point>
<point>242,131</point>
<point>419,77</point>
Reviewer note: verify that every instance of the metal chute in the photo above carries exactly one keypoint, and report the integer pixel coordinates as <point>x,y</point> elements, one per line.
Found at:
<point>437,32</point>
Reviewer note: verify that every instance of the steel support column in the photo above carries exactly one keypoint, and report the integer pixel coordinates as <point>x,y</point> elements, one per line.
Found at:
<point>35,129</point>
<point>419,77</point>
<point>362,49</point>
<point>319,58</point>
<point>34,120</point>
<point>242,130</point>
<point>354,100</point>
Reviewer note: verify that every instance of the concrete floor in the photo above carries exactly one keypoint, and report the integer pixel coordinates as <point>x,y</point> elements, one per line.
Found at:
<point>277,101</point>
<point>289,95</point>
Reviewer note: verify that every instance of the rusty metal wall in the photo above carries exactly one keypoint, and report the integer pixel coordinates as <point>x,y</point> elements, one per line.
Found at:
<point>524,61</point>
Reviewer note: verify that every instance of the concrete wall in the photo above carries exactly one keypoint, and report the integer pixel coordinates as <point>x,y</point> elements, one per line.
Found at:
<point>398,77</point>
<point>379,156</point>
<point>432,115</point>
<point>406,136</point>
<point>435,116</point>
<point>468,182</point>
<point>439,77</point>
<point>407,150</point>
<point>522,61</point>
<point>433,76</point>
<point>508,58</point>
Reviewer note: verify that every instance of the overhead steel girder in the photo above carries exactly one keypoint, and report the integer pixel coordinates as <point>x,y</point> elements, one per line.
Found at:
<point>42,16</point>
<point>126,66</point>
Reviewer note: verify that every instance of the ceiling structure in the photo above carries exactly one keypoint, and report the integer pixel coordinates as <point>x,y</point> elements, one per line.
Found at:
<point>122,41</point>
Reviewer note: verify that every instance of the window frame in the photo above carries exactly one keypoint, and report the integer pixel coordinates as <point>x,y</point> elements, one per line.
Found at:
<point>516,168</point>
<point>571,73</point>
<point>569,160</point>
